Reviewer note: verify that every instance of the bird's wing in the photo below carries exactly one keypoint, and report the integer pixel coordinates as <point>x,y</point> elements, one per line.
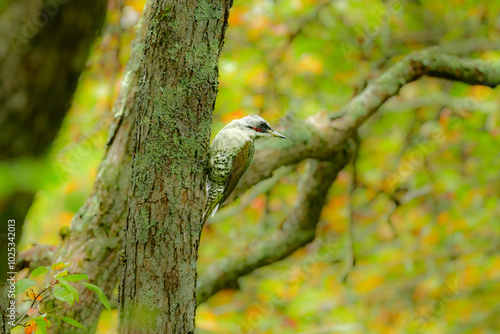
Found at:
<point>240,165</point>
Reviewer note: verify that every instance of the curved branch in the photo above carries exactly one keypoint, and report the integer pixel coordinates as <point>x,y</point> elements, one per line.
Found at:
<point>319,138</point>
<point>323,134</point>
<point>298,230</point>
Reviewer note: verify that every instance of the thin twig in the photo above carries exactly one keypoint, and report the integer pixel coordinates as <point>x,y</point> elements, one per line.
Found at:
<point>350,259</point>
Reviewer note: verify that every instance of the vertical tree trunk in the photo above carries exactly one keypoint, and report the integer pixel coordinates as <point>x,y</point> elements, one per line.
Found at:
<point>4,303</point>
<point>175,99</point>
<point>94,239</point>
<point>43,50</point>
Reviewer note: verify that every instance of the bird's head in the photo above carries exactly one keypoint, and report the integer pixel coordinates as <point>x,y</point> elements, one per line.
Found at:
<point>257,127</point>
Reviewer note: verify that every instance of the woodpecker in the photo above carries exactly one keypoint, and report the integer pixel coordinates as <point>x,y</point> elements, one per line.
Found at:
<point>230,155</point>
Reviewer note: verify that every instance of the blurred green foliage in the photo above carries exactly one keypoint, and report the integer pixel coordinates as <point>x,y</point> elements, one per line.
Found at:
<point>426,204</point>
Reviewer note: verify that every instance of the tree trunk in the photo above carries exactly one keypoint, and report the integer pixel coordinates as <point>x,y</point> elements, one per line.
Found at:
<point>43,51</point>
<point>175,100</point>
<point>95,235</point>
<point>4,303</point>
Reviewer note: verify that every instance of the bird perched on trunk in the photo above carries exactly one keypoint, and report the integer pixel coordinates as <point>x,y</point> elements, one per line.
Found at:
<point>230,155</point>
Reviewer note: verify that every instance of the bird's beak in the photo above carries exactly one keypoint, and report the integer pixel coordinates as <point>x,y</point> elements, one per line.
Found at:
<point>276,134</point>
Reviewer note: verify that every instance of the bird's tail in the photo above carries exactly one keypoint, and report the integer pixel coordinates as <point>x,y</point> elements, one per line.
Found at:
<point>214,195</point>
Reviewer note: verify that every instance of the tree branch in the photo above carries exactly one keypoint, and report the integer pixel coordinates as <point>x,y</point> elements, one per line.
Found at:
<point>298,230</point>
<point>321,135</point>
<point>94,239</point>
<point>319,138</point>
<point>38,255</point>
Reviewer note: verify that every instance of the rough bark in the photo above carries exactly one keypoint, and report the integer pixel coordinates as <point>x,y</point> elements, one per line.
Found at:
<point>4,325</point>
<point>94,238</point>
<point>175,99</point>
<point>43,50</point>
<point>298,230</point>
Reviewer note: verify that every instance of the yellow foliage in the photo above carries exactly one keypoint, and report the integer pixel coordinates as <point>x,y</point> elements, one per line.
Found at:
<point>236,114</point>
<point>32,295</point>
<point>310,63</point>
<point>493,270</point>
<point>236,16</point>
<point>64,218</point>
<point>71,186</point>
<point>258,100</point>
<point>138,5</point>
<point>222,298</point>
<point>108,324</point>
<point>384,231</point>
<point>344,76</point>
<point>456,225</point>
<point>92,173</point>
<point>480,92</point>
<point>206,319</point>
<point>364,283</point>
<point>443,218</point>
<point>257,78</point>
<point>471,276</point>
<point>31,327</point>
<point>333,214</point>
<point>431,237</point>
<point>258,24</point>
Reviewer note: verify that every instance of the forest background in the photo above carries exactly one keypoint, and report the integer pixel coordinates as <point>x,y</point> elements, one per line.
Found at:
<point>408,238</point>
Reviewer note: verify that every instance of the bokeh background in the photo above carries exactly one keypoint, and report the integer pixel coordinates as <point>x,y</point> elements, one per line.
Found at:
<point>421,213</point>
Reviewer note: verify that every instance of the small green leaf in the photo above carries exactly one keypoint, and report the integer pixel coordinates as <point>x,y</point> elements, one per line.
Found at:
<point>102,297</point>
<point>61,293</point>
<point>39,271</point>
<point>42,325</point>
<point>61,274</point>
<point>23,285</point>
<point>75,277</point>
<point>70,288</point>
<point>73,322</point>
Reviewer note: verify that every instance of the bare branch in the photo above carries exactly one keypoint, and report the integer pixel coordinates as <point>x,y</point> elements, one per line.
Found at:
<point>319,138</point>
<point>321,135</point>
<point>298,230</point>
<point>38,255</point>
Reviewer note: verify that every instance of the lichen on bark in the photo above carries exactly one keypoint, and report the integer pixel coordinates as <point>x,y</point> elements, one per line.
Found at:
<point>175,99</point>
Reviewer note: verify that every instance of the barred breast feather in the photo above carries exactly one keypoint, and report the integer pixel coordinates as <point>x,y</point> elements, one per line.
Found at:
<point>231,154</point>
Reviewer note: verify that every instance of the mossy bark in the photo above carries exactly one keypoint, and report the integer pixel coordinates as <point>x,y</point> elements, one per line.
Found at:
<point>4,303</point>
<point>94,240</point>
<point>175,99</point>
<point>43,50</point>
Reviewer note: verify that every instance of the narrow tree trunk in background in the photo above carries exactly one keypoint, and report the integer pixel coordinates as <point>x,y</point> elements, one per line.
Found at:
<point>4,303</point>
<point>43,50</point>
<point>94,239</point>
<point>175,100</point>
